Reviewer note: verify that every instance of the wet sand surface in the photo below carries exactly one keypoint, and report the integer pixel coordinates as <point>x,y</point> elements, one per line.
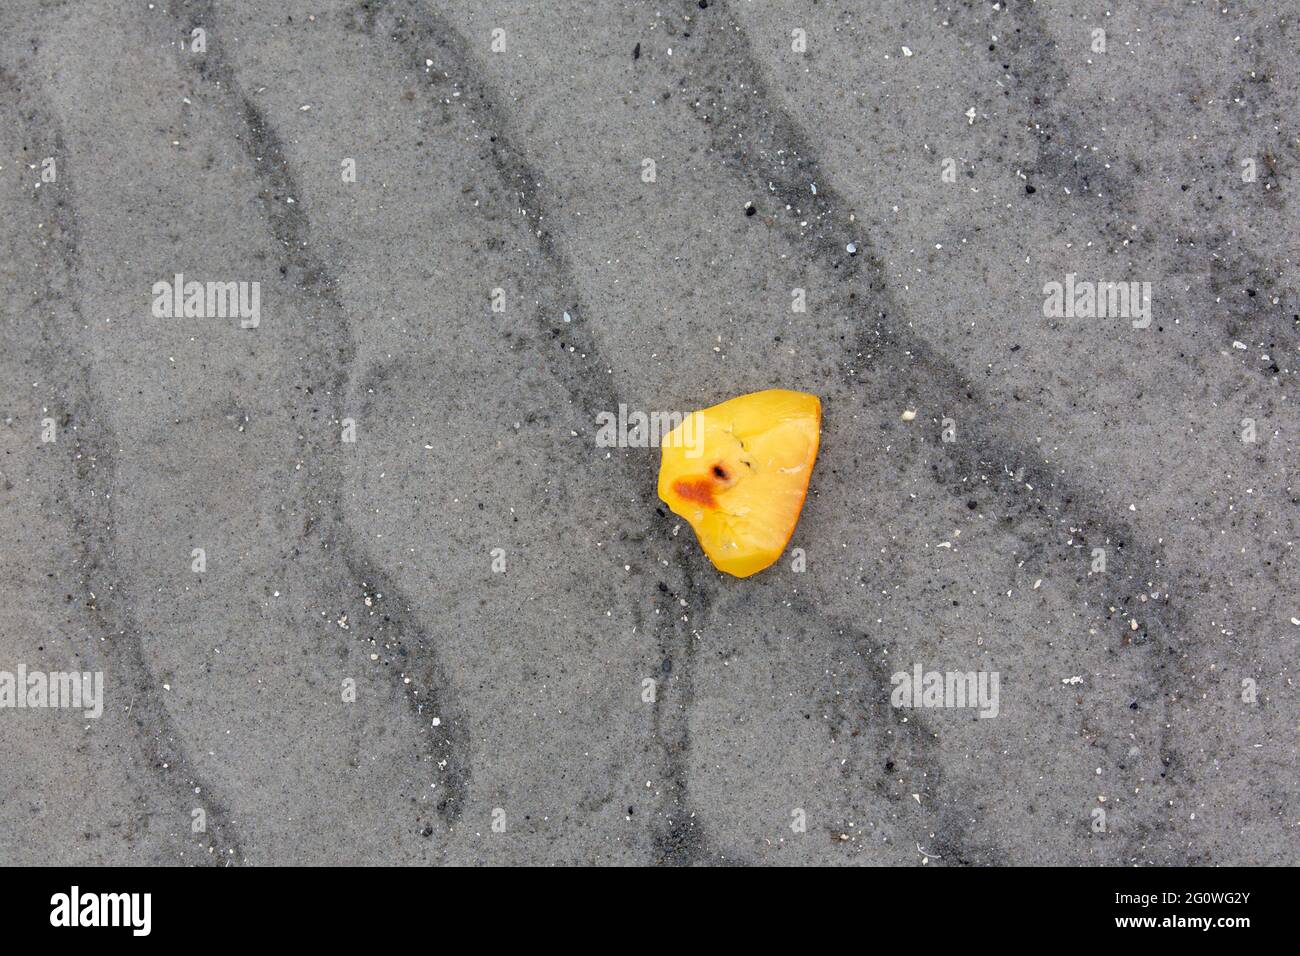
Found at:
<point>361,583</point>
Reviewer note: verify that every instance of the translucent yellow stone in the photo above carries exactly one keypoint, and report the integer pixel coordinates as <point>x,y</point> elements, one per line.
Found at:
<point>739,471</point>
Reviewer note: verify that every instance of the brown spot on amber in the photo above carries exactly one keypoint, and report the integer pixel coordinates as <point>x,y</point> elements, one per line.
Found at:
<point>699,490</point>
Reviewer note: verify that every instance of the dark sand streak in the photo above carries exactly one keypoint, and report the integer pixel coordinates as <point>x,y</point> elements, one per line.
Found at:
<point>764,147</point>
<point>422,34</point>
<point>349,576</point>
<point>92,447</point>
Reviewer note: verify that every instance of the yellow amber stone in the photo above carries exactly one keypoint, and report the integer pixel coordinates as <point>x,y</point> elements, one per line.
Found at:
<point>739,471</point>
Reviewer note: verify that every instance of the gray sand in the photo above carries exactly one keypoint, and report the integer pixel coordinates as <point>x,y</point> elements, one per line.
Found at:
<point>346,678</point>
